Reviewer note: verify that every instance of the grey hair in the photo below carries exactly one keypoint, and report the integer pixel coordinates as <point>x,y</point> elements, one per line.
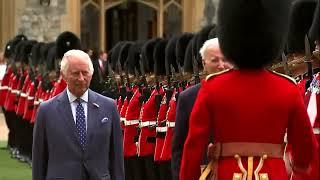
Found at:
<point>75,53</point>
<point>207,44</point>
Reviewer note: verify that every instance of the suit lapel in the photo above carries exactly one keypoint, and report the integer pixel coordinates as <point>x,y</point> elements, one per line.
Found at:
<point>65,111</point>
<point>93,112</point>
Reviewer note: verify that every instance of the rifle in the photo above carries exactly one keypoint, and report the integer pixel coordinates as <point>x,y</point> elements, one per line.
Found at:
<point>196,74</point>
<point>120,74</point>
<point>143,74</point>
<point>308,56</point>
<point>285,64</point>
<point>128,84</point>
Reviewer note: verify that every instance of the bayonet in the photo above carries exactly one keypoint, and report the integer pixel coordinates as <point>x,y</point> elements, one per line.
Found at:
<point>120,73</point>
<point>195,70</point>
<point>173,72</point>
<point>168,75</point>
<point>308,56</point>
<point>143,74</point>
<point>285,64</point>
<point>127,75</point>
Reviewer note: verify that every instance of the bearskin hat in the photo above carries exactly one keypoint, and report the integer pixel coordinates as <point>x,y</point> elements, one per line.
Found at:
<point>51,57</point>
<point>114,56</point>
<point>159,57</point>
<point>65,42</point>
<point>314,32</point>
<point>170,56</point>
<point>26,50</point>
<point>123,53</point>
<point>203,35</point>
<point>134,56</point>
<point>44,52</point>
<point>252,33</point>
<point>181,47</point>
<point>34,56</point>
<point>188,57</point>
<point>300,22</point>
<point>147,54</point>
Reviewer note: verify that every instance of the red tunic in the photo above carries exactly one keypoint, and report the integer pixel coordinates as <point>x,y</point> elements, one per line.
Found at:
<point>302,85</point>
<point>28,106</point>
<point>313,107</point>
<point>147,138</point>
<point>9,104</point>
<point>123,112</point>
<point>23,96</point>
<point>59,86</point>
<point>171,118</point>
<point>119,103</point>
<point>161,129</point>
<point>37,98</point>
<point>131,125</point>
<point>248,106</point>
<point>4,88</point>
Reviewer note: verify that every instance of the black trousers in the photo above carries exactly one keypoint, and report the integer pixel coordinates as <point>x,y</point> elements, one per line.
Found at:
<point>11,120</point>
<point>133,167</point>
<point>150,168</point>
<point>24,135</point>
<point>164,169</point>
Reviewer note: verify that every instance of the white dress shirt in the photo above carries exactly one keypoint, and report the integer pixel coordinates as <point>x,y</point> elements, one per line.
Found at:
<point>73,104</point>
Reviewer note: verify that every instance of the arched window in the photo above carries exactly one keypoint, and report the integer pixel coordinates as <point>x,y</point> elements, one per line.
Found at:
<point>172,18</point>
<point>90,24</point>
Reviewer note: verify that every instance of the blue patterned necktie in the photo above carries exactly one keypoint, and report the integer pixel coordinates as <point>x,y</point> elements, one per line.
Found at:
<point>81,124</point>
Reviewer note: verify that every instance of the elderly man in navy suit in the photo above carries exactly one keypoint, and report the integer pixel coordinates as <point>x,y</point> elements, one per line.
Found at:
<point>213,61</point>
<point>77,134</point>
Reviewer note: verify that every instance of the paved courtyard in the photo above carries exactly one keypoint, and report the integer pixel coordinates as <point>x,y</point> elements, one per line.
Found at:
<point>3,128</point>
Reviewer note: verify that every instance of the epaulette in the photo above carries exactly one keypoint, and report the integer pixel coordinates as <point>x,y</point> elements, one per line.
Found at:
<point>285,76</point>
<point>216,74</point>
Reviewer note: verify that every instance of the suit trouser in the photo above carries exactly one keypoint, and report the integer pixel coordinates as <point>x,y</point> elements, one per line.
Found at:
<point>133,167</point>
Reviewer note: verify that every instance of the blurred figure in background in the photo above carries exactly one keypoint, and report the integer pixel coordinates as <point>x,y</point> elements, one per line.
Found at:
<point>3,66</point>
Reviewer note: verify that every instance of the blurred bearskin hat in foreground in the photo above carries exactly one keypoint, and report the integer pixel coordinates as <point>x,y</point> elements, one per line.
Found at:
<point>253,33</point>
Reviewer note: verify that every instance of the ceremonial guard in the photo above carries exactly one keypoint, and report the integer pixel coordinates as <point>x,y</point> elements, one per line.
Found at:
<point>23,126</point>
<point>248,110</point>
<point>41,82</point>
<point>11,98</point>
<point>313,103</point>
<point>131,134</point>
<point>161,129</point>
<point>151,98</point>
<point>4,89</point>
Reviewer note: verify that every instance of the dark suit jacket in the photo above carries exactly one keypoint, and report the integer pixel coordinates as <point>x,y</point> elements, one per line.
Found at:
<point>184,107</point>
<point>97,77</point>
<point>57,153</point>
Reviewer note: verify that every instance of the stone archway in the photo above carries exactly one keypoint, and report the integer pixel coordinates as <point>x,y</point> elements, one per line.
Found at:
<point>163,9</point>
<point>90,12</point>
<point>131,21</point>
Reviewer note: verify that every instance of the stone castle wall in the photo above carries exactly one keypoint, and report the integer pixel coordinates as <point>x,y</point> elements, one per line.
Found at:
<point>41,23</point>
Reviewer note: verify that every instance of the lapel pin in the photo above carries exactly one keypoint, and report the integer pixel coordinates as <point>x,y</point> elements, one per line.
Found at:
<point>96,105</point>
<point>104,120</point>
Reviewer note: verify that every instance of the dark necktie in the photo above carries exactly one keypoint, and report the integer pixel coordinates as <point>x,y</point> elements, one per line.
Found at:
<point>81,124</point>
